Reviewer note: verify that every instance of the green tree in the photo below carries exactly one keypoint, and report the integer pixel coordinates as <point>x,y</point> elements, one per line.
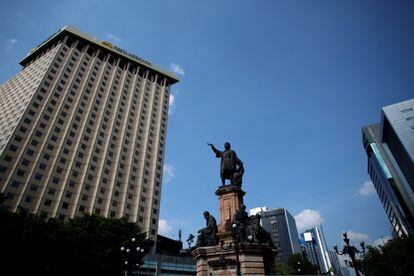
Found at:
<point>32,244</point>
<point>296,265</point>
<point>301,266</point>
<point>284,269</point>
<point>394,258</point>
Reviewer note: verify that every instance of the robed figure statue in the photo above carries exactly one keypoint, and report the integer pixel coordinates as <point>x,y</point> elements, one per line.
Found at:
<point>208,235</point>
<point>230,167</point>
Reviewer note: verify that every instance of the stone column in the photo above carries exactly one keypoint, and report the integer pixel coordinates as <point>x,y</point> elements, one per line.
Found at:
<point>230,198</point>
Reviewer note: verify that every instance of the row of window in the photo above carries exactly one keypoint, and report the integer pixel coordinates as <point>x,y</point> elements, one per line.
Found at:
<point>57,129</point>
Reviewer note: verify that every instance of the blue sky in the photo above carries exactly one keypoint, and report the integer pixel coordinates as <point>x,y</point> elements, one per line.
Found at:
<point>288,83</point>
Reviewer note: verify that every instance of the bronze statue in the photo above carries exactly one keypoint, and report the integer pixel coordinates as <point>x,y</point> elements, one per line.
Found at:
<point>230,164</point>
<point>238,176</point>
<point>207,236</point>
<point>259,233</point>
<point>241,223</point>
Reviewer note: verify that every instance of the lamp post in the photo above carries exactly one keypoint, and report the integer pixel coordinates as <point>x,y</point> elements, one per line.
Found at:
<point>351,251</point>
<point>235,245</point>
<point>131,255</point>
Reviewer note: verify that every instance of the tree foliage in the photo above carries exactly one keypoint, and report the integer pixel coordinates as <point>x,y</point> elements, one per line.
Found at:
<point>394,258</point>
<point>32,244</point>
<point>296,265</point>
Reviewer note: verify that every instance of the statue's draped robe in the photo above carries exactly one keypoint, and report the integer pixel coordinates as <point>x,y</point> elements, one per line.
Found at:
<point>229,162</point>
<point>241,219</point>
<point>211,231</point>
<point>208,235</point>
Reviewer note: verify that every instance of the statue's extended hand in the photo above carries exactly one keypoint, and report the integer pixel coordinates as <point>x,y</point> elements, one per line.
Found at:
<point>211,145</point>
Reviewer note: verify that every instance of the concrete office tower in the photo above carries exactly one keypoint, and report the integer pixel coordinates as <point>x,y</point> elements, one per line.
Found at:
<point>82,130</point>
<point>390,150</point>
<point>282,228</point>
<point>316,248</point>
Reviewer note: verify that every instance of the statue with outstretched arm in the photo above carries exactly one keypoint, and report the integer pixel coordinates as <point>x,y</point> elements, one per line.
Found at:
<point>229,162</point>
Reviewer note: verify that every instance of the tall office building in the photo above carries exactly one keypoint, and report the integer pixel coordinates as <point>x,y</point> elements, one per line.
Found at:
<point>389,146</point>
<point>335,263</point>
<point>282,228</point>
<point>316,249</point>
<point>82,130</point>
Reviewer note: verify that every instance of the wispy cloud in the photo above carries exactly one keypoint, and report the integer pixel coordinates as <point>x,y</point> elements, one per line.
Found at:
<point>177,69</point>
<point>168,172</point>
<point>367,189</point>
<point>164,228</point>
<point>381,241</point>
<point>356,236</point>
<point>114,37</point>
<point>308,219</point>
<point>173,98</point>
<point>10,44</point>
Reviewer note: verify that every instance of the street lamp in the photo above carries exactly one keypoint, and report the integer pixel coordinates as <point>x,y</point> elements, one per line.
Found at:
<point>351,251</point>
<point>235,245</point>
<point>131,255</point>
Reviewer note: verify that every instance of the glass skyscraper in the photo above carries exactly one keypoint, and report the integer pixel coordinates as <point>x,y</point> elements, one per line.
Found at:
<point>389,146</point>
<point>316,248</point>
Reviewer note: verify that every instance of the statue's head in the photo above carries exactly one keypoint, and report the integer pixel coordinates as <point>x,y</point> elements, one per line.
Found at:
<point>227,145</point>
<point>243,207</point>
<point>206,214</point>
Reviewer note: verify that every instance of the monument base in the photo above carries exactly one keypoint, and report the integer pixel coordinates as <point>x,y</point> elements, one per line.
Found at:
<point>230,199</point>
<point>252,259</point>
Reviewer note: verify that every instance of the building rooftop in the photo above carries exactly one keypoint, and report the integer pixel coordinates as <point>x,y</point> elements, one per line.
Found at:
<point>99,44</point>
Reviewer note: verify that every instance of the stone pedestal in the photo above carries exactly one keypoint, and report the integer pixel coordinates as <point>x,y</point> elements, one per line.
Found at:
<point>230,199</point>
<point>253,258</point>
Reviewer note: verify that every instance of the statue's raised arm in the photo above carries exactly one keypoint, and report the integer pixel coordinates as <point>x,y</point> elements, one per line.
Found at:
<point>230,164</point>
<point>216,151</point>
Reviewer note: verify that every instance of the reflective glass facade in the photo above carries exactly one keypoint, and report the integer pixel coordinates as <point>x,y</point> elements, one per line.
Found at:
<point>316,249</point>
<point>390,149</point>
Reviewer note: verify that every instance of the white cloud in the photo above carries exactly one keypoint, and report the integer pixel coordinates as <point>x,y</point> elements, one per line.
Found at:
<point>171,108</point>
<point>163,227</point>
<point>381,241</point>
<point>172,105</point>
<point>114,37</point>
<point>367,189</point>
<point>308,219</point>
<point>10,44</point>
<point>168,172</point>
<point>177,69</point>
<point>357,237</point>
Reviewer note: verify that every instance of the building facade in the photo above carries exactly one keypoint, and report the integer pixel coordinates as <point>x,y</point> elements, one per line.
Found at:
<point>82,130</point>
<point>282,227</point>
<point>389,146</point>
<point>335,263</point>
<point>316,249</point>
